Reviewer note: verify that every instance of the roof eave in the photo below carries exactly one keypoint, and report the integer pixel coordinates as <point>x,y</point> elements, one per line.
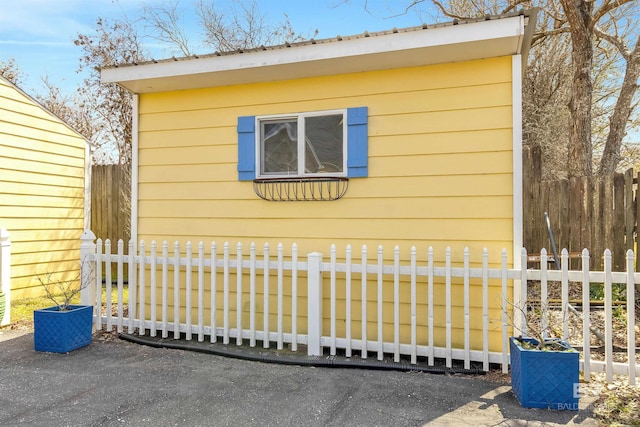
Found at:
<point>477,40</point>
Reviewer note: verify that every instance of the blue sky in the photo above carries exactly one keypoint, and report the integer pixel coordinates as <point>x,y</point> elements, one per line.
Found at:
<point>39,34</point>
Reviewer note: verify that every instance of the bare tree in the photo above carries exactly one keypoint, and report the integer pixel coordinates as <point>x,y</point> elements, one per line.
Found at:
<point>10,71</point>
<point>108,107</point>
<point>111,44</point>
<point>243,27</point>
<point>111,106</point>
<point>602,26</point>
<point>604,64</point>
<point>164,23</point>
<point>627,99</point>
<point>546,91</point>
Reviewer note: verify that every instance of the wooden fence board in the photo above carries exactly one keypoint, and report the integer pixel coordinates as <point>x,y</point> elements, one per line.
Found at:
<point>629,214</point>
<point>575,219</point>
<point>619,222</point>
<point>587,240</point>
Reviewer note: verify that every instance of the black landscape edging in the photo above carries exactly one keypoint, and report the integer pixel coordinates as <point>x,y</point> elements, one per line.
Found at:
<point>267,356</point>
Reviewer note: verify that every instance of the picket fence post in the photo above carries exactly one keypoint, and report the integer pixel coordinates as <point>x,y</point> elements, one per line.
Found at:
<point>314,301</point>
<point>5,274</point>
<point>88,272</point>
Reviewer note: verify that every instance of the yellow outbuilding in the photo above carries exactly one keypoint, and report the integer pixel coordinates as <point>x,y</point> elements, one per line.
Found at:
<point>408,137</point>
<point>43,191</point>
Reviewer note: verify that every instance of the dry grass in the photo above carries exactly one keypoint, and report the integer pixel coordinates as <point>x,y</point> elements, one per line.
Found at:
<point>22,310</point>
<point>618,403</point>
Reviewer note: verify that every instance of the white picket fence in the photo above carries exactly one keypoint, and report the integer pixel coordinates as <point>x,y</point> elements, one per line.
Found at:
<point>202,279</point>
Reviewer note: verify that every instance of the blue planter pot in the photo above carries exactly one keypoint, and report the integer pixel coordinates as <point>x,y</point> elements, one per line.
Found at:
<point>544,379</point>
<point>62,331</point>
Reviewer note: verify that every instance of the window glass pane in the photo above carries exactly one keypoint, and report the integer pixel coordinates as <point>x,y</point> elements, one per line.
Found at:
<point>323,144</point>
<point>279,147</point>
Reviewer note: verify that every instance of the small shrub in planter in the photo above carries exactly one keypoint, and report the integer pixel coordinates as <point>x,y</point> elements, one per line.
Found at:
<point>63,327</point>
<point>544,376</point>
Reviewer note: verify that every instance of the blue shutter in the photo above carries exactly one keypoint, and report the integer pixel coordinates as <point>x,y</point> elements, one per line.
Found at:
<point>357,138</point>
<point>246,148</point>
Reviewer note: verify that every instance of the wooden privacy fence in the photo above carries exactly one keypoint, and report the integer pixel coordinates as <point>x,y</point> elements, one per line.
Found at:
<point>588,212</point>
<point>394,308</point>
<point>110,201</point>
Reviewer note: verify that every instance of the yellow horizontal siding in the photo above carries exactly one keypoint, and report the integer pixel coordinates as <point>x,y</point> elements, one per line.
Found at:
<point>24,277</point>
<point>44,235</point>
<point>371,208</point>
<point>46,147</point>
<point>33,117</point>
<point>388,187</point>
<point>437,122</point>
<point>392,166</point>
<point>46,168</point>
<point>158,145</point>
<point>62,135</point>
<point>212,171</point>
<point>440,171</point>
<point>475,141</point>
<point>442,76</point>
<point>25,154</point>
<point>38,199</point>
<point>21,213</point>
<point>185,138</point>
<point>441,164</point>
<point>51,223</point>
<point>60,243</point>
<point>423,229</point>
<point>67,253</point>
<point>491,117</point>
<point>41,191</point>
<point>187,155</point>
<point>437,103</point>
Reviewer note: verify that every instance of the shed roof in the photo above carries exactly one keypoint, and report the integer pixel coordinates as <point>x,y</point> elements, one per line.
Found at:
<point>490,36</point>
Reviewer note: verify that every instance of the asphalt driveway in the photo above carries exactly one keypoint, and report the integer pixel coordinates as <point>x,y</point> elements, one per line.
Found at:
<point>118,383</point>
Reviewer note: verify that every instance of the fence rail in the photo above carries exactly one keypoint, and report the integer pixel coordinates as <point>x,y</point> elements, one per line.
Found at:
<point>376,306</point>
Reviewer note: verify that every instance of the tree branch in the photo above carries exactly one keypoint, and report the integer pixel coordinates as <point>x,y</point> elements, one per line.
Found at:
<point>166,22</point>
<point>541,35</point>
<point>615,41</point>
<point>444,11</point>
<point>607,7</point>
<point>621,113</point>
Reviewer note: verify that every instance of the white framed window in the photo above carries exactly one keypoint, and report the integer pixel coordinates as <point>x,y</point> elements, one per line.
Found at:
<point>303,144</point>
<point>331,143</point>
